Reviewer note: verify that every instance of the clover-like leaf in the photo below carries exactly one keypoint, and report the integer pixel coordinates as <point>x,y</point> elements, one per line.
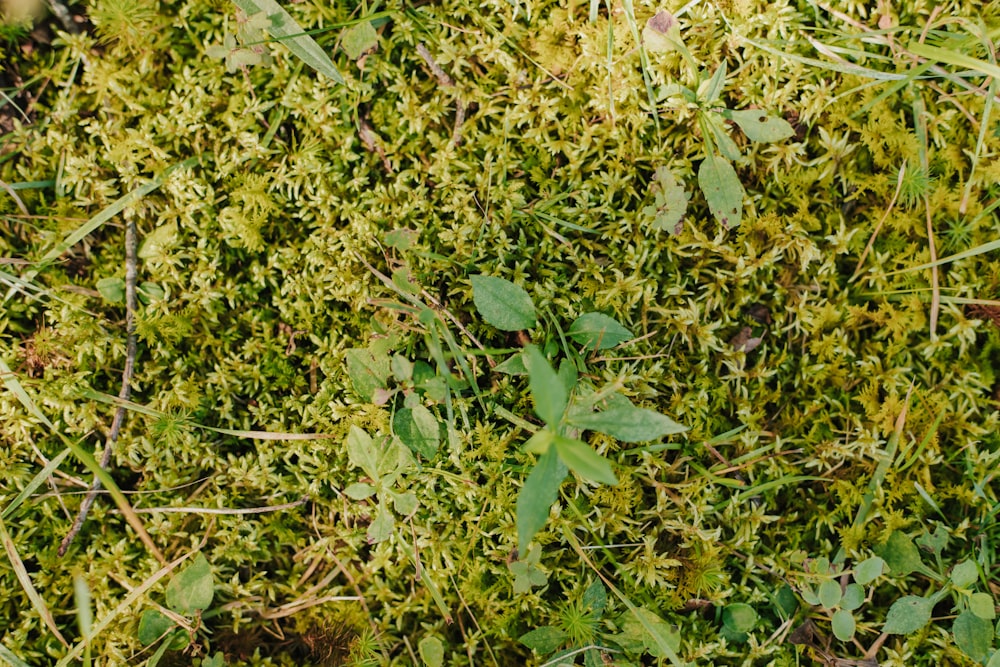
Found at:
<point>670,201</point>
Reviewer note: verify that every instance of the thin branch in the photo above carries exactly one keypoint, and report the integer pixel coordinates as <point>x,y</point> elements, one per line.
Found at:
<point>131,273</point>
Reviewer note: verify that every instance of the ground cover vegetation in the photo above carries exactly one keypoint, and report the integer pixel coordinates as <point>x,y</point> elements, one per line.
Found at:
<point>503,332</point>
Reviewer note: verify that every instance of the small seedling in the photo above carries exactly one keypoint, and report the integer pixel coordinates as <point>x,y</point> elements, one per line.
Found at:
<point>384,460</point>
<point>189,593</point>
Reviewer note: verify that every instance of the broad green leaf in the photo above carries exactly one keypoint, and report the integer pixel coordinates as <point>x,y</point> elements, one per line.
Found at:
<point>973,635</point>
<point>597,331</point>
<point>540,490</point>
<point>359,39</point>
<point>369,371</point>
<point>662,33</point>
<point>540,442</point>
<point>193,588</point>
<point>513,365</point>
<point>869,570</point>
<point>628,424</point>
<point>739,618</point>
<point>503,304</point>
<point>152,626</point>
<point>908,614</point>
<point>670,201</point>
<point>901,554</point>
<point>361,452</point>
<point>830,593</point>
<point>405,504</point>
<point>595,597</point>
<point>758,126</point>
<point>722,189</point>
<point>359,491</point>
<point>646,631</point>
<point>380,529</point>
<point>964,574</point>
<point>843,625</point>
<point>994,660</point>
<point>547,389</point>
<point>982,605</point>
<point>854,597</point>
<point>111,290</point>
<point>544,640</point>
<point>284,28</point>
<point>584,461</point>
<point>419,430</point>
<point>431,651</point>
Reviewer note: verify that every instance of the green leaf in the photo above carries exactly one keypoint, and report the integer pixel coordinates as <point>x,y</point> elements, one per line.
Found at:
<point>720,133</point>
<point>361,452</point>
<point>595,597</point>
<point>722,189</point>
<point>419,430</point>
<point>964,574</point>
<point>359,39</point>
<point>284,28</point>
<point>431,651</point>
<point>380,529</point>
<point>193,588</point>
<point>869,570</point>
<point>111,290</point>
<point>405,504</point>
<point>369,371</point>
<point>854,597</point>
<point>739,618</point>
<point>526,571</point>
<point>540,490</point>
<point>597,331</point>
<point>584,461</point>
<point>973,635</point>
<point>645,628</point>
<point>513,365</point>
<point>547,389</point>
<point>830,593</point>
<point>152,626</point>
<point>540,442</point>
<point>710,90</point>
<point>662,33</point>
<point>359,491</point>
<point>670,201</point>
<point>758,126</point>
<point>158,242</point>
<point>843,625</point>
<point>901,554</point>
<point>503,304</point>
<point>994,660</point>
<point>982,605</point>
<point>628,424</point>
<point>908,614</point>
<point>544,640</point>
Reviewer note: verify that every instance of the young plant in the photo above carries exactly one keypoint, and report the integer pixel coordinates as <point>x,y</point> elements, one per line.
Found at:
<point>384,460</point>
<point>189,593</point>
<point>717,178</point>
<point>565,404</point>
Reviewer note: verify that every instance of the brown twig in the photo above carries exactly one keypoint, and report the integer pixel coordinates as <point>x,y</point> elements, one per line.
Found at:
<point>445,81</point>
<point>131,273</point>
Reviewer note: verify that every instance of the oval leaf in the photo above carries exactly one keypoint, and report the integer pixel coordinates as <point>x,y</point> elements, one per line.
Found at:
<point>584,461</point>
<point>503,304</point>
<point>419,430</point>
<point>192,588</point>
<point>973,635</point>
<point>722,189</point>
<point>628,424</point>
<point>758,126</point>
<point>843,625</point>
<point>537,495</point>
<point>908,614</point>
<point>829,593</point>
<point>869,570</point>
<point>431,651</point>
<point>545,639</point>
<point>597,331</point>
<point>739,617</point>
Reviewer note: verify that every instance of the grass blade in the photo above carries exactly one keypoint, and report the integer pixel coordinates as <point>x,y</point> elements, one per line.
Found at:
<point>22,576</point>
<point>287,31</point>
<point>35,482</point>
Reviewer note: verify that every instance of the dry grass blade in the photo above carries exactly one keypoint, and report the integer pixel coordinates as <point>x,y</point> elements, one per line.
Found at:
<point>133,595</point>
<point>29,589</point>
<point>878,227</point>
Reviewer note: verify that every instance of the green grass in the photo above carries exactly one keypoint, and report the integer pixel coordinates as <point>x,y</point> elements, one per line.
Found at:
<point>648,439</point>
